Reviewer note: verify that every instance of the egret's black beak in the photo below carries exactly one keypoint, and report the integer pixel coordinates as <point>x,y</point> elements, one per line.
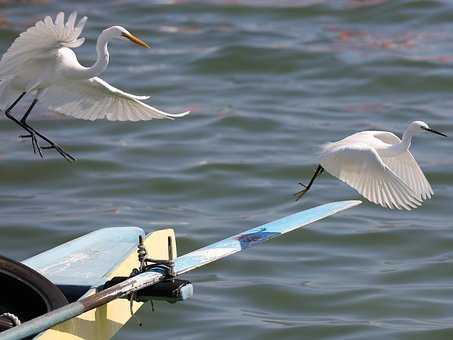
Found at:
<point>434,131</point>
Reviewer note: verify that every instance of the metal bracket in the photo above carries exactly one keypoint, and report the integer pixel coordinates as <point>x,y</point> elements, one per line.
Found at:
<point>147,263</point>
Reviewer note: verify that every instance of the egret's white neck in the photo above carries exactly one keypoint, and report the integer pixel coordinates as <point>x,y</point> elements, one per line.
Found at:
<point>407,139</point>
<point>403,146</point>
<point>102,57</point>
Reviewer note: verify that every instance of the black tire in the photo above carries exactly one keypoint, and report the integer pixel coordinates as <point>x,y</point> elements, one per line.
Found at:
<point>26,293</point>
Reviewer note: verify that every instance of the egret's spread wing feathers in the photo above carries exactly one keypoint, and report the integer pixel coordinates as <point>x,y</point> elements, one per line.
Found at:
<point>42,40</point>
<point>361,167</point>
<point>406,167</point>
<point>96,99</point>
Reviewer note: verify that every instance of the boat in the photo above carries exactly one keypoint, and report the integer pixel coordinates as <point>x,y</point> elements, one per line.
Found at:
<point>89,287</point>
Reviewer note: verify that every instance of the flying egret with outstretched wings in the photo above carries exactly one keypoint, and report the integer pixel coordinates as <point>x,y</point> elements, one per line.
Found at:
<point>379,166</point>
<point>41,62</point>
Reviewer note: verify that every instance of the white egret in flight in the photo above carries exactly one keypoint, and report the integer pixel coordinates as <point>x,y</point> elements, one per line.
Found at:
<point>41,62</point>
<point>379,166</point>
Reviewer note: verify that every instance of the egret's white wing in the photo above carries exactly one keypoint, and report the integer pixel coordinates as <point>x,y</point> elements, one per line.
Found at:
<point>406,167</point>
<point>42,41</point>
<point>386,137</point>
<point>96,99</point>
<point>361,167</point>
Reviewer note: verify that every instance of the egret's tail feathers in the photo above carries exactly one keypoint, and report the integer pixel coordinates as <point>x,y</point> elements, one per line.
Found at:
<point>324,148</point>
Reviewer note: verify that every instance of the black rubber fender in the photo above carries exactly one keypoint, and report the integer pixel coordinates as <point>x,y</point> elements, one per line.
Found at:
<point>25,293</point>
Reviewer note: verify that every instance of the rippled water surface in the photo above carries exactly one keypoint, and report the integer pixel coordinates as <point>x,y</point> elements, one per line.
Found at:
<point>267,82</point>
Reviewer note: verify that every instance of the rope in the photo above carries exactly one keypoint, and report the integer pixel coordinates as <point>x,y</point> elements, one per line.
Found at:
<point>142,253</point>
<point>12,317</point>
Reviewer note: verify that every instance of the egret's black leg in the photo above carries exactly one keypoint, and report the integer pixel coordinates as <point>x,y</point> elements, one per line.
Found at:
<point>23,120</point>
<point>7,112</point>
<point>34,133</point>
<point>318,172</point>
<point>10,116</point>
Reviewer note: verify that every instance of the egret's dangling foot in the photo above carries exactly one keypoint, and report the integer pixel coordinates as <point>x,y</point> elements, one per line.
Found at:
<point>34,143</point>
<point>52,145</point>
<point>58,148</point>
<point>299,194</point>
<point>34,133</point>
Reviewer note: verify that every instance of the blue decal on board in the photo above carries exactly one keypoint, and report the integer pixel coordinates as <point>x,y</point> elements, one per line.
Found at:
<point>249,239</point>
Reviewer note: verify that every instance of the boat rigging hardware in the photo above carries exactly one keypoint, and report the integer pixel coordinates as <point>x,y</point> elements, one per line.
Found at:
<point>147,263</point>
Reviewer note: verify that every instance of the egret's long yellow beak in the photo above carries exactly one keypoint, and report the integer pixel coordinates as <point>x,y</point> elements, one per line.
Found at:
<point>135,40</point>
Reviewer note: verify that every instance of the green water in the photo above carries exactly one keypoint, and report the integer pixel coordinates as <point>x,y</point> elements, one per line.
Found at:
<point>267,83</point>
